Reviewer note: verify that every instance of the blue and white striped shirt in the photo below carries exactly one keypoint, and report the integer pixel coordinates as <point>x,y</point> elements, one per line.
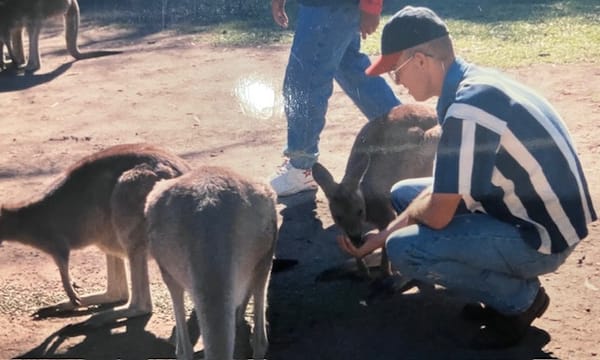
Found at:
<point>508,153</point>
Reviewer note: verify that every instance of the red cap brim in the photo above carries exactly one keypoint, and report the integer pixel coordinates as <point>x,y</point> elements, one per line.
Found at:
<point>383,64</point>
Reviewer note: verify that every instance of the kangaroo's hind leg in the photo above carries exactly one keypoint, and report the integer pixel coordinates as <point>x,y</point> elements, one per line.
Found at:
<point>183,346</point>
<point>140,303</point>
<point>127,205</point>
<point>18,52</point>
<point>34,61</point>
<point>259,292</point>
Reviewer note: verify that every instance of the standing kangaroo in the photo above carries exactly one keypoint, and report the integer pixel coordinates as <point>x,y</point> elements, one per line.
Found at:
<point>98,201</point>
<point>16,14</point>
<point>213,234</point>
<point>13,41</point>
<point>386,150</point>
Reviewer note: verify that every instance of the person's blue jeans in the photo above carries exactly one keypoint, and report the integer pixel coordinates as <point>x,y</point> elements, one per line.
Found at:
<point>476,255</point>
<point>326,46</point>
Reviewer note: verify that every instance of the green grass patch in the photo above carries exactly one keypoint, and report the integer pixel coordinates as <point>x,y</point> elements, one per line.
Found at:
<point>500,33</point>
<point>489,32</point>
<point>518,33</point>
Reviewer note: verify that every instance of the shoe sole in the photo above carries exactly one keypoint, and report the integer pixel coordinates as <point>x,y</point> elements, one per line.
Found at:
<point>296,192</point>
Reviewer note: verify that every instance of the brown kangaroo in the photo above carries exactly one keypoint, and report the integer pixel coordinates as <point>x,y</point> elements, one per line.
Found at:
<point>30,14</point>
<point>213,234</point>
<point>98,201</point>
<point>398,146</point>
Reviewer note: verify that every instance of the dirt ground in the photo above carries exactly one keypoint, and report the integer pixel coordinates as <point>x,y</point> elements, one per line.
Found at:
<point>222,106</point>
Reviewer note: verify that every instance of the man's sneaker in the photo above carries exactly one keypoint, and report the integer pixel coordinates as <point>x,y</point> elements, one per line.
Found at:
<point>290,180</point>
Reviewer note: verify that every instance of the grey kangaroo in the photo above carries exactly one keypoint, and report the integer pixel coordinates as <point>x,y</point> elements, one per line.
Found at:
<point>97,201</point>
<point>398,146</point>
<point>30,14</point>
<point>213,234</point>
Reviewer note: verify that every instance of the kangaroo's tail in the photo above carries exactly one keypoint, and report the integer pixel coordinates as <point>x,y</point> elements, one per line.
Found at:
<point>71,31</point>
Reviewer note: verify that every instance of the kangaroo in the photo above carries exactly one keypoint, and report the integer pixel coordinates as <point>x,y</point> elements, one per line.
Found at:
<point>386,150</point>
<point>213,234</point>
<point>97,201</point>
<point>15,54</point>
<point>30,14</point>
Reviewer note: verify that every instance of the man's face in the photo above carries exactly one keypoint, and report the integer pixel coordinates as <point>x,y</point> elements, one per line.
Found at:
<point>414,74</point>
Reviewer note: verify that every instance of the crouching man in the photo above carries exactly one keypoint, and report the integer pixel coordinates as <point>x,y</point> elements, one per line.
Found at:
<point>508,200</point>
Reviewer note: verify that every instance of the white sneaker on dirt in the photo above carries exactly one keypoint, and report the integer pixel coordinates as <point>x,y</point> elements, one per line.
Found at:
<point>290,180</point>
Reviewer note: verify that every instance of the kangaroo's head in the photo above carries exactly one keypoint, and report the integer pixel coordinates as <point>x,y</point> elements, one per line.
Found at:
<point>346,201</point>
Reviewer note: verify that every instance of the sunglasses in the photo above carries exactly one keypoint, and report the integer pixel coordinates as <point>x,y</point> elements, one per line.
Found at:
<point>393,74</point>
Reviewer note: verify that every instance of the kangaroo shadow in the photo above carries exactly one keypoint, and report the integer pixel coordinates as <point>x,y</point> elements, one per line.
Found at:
<point>107,342</point>
<point>11,80</point>
<point>55,311</point>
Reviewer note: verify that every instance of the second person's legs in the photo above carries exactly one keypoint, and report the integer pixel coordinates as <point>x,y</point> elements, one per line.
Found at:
<point>371,94</point>
<point>321,38</point>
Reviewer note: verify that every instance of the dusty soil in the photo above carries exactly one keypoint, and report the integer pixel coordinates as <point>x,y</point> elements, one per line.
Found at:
<point>222,106</point>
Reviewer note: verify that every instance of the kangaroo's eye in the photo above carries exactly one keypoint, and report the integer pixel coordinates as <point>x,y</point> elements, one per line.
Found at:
<point>359,212</point>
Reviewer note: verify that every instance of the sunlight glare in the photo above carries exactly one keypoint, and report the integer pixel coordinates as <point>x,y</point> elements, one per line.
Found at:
<point>257,98</point>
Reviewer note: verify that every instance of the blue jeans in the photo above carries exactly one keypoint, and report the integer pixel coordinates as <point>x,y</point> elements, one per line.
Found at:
<point>326,46</point>
<point>476,255</point>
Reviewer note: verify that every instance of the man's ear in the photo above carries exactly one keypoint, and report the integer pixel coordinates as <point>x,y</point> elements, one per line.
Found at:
<point>420,59</point>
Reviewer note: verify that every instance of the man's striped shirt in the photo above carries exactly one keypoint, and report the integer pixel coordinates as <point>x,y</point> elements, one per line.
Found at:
<point>508,153</point>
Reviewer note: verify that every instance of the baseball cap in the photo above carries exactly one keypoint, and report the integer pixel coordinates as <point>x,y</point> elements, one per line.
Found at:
<point>409,27</point>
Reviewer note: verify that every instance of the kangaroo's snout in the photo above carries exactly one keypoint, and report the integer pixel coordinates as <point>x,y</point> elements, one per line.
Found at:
<point>357,240</point>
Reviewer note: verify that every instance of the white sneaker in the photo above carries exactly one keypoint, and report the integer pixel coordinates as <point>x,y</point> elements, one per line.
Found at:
<point>290,180</point>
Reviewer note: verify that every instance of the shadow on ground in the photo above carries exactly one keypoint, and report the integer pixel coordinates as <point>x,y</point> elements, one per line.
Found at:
<point>11,81</point>
<point>128,340</point>
<point>314,320</point>
<point>332,320</point>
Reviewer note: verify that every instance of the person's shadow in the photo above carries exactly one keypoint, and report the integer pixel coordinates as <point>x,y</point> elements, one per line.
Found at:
<point>300,227</point>
<point>335,319</point>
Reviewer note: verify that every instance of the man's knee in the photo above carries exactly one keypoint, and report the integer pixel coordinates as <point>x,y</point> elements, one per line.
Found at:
<point>405,191</point>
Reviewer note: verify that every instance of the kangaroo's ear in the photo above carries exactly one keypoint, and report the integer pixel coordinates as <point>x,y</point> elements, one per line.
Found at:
<point>324,178</point>
<point>356,169</point>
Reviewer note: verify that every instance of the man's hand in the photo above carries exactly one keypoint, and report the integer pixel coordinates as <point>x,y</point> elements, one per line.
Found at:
<point>279,14</point>
<point>433,134</point>
<point>373,241</point>
<point>368,23</point>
